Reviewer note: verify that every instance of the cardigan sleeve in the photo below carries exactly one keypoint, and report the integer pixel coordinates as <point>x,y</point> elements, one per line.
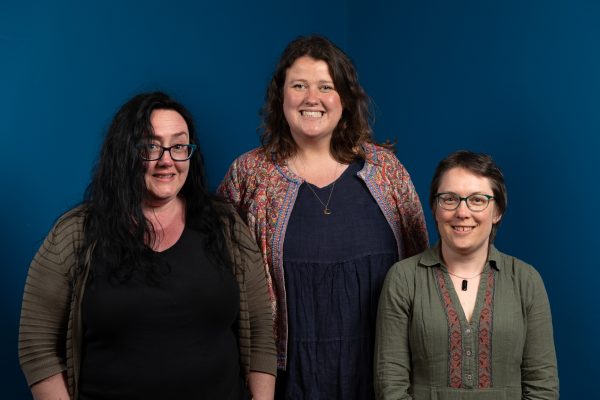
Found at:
<point>412,218</point>
<point>392,366</point>
<point>539,376</point>
<point>263,354</point>
<point>46,305</point>
<point>230,188</point>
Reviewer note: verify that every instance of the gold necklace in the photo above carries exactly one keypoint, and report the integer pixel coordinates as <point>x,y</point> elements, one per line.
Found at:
<point>465,282</point>
<point>326,209</point>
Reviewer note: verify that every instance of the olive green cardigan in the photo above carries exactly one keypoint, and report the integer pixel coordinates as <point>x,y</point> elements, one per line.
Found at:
<point>50,330</point>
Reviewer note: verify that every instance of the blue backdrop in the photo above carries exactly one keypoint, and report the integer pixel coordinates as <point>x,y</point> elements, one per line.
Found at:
<point>519,80</point>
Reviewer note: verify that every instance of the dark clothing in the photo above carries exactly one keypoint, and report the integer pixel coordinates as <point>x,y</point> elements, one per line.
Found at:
<point>174,339</point>
<point>334,269</point>
<point>50,332</point>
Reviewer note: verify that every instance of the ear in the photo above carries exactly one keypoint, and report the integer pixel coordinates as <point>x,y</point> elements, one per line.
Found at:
<point>497,217</point>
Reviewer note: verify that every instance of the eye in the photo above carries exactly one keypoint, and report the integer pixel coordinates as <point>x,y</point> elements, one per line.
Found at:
<point>477,200</point>
<point>326,88</point>
<point>449,199</point>
<point>299,86</point>
<point>152,147</point>
<point>179,148</point>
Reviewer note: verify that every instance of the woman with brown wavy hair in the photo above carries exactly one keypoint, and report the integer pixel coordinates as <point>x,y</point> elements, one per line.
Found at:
<point>331,212</point>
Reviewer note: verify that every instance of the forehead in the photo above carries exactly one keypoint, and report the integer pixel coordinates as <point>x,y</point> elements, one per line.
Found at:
<point>464,182</point>
<point>168,123</point>
<point>307,67</point>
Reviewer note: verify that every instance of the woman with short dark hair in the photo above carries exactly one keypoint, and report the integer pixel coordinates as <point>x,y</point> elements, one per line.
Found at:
<point>463,320</point>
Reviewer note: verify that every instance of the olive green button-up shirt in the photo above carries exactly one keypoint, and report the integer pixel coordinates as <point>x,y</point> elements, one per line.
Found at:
<point>426,348</point>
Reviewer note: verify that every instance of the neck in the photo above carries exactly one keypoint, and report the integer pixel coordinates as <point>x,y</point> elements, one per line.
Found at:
<point>318,149</point>
<point>164,214</point>
<point>466,264</point>
<point>318,168</point>
<point>320,144</point>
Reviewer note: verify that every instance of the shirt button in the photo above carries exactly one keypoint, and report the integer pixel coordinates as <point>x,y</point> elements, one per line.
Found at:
<point>469,377</point>
<point>468,330</point>
<point>469,353</point>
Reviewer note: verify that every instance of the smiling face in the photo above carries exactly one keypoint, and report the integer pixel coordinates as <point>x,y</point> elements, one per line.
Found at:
<point>164,177</point>
<point>311,105</point>
<point>462,231</point>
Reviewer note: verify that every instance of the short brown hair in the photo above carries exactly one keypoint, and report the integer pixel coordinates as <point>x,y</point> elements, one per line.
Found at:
<point>352,130</point>
<point>480,164</point>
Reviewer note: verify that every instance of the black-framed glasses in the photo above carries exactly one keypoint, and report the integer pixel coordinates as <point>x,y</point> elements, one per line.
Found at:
<point>153,151</point>
<point>475,202</point>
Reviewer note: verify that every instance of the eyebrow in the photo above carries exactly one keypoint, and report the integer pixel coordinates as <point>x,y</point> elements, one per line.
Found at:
<point>175,135</point>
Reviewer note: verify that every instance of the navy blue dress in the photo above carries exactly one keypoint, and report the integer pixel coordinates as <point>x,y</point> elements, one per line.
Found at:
<point>334,270</point>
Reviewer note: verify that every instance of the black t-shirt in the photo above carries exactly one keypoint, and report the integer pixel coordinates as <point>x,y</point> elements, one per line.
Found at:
<point>174,340</point>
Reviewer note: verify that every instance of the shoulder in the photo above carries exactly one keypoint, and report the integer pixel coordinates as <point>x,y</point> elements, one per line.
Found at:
<point>408,269</point>
<point>253,166</point>
<point>252,159</point>
<point>383,159</point>
<point>70,223</point>
<point>523,273</point>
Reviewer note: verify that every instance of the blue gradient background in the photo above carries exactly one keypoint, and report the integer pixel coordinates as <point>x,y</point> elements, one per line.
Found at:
<point>519,80</point>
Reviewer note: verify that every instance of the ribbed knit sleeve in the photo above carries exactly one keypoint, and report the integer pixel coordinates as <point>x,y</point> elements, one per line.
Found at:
<point>46,302</point>
<point>263,355</point>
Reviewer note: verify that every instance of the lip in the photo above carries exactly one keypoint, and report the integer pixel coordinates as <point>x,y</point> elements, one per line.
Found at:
<point>164,177</point>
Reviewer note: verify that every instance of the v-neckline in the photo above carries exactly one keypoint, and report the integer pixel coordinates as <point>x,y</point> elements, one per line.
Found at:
<point>479,300</point>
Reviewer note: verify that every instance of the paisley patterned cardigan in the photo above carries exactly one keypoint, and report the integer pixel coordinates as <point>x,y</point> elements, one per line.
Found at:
<point>264,193</point>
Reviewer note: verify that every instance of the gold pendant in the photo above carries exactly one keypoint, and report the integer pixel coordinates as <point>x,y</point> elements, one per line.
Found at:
<point>327,211</point>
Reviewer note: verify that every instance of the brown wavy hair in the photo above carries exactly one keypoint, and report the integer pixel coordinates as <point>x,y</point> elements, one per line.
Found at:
<point>352,130</point>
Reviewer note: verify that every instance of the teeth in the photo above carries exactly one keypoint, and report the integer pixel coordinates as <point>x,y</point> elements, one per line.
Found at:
<point>463,228</point>
<point>312,114</point>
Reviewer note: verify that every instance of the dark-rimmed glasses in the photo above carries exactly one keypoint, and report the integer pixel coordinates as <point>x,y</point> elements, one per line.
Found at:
<point>153,152</point>
<point>451,201</point>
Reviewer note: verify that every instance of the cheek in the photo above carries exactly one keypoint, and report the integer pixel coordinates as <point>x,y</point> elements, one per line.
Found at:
<point>289,99</point>
<point>184,170</point>
<point>334,102</point>
<point>440,216</point>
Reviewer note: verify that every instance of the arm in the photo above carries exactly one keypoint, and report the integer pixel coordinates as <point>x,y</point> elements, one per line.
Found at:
<point>392,365</point>
<point>261,385</point>
<point>230,187</point>
<point>414,230</point>
<point>412,219</point>
<point>52,388</point>
<point>539,376</point>
<point>45,313</point>
<point>263,358</point>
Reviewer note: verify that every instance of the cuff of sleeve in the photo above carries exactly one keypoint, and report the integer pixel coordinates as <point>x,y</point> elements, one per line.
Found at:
<point>266,363</point>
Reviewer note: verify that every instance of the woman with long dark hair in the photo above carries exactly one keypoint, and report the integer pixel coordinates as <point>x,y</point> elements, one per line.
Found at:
<point>151,288</point>
<point>331,212</point>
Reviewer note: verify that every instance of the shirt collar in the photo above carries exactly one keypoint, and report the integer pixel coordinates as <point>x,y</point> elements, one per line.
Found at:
<point>431,257</point>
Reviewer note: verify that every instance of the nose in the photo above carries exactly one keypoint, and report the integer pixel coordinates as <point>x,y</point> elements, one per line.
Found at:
<point>165,158</point>
<point>312,95</point>
<point>462,211</point>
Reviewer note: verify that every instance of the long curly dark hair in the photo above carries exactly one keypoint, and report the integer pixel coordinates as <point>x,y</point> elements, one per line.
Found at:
<point>352,130</point>
<point>115,226</point>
